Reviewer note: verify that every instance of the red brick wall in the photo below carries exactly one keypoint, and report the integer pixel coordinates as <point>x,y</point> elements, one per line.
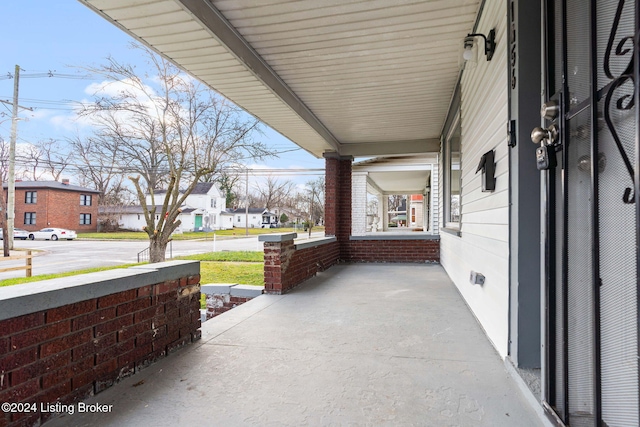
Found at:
<point>392,251</point>
<point>344,208</point>
<point>70,352</point>
<point>221,303</point>
<point>337,210</point>
<point>285,267</point>
<point>331,196</point>
<point>56,208</point>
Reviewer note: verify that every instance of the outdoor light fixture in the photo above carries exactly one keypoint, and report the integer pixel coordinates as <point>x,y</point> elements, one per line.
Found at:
<point>489,45</point>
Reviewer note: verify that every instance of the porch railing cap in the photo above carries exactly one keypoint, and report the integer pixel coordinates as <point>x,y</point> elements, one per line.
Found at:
<point>281,237</point>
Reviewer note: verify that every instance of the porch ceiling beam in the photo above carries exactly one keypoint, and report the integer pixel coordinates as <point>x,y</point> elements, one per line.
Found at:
<point>371,183</point>
<point>405,191</point>
<point>418,167</point>
<point>221,29</point>
<point>391,148</point>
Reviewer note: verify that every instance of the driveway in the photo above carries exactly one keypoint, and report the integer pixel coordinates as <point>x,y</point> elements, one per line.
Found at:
<point>63,255</point>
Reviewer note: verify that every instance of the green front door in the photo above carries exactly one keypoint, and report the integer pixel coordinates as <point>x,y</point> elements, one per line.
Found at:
<point>198,223</point>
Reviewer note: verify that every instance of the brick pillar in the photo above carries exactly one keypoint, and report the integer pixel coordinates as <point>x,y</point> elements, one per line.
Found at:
<point>278,250</point>
<point>344,202</point>
<point>331,180</point>
<point>337,209</point>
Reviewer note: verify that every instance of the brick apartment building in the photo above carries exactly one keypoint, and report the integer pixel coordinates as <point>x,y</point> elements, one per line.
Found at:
<point>41,204</point>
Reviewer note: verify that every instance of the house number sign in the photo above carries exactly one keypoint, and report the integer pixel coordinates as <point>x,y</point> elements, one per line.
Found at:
<point>512,48</point>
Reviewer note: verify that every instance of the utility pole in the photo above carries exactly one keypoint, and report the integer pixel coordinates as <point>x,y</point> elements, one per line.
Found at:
<point>11,191</point>
<point>246,203</point>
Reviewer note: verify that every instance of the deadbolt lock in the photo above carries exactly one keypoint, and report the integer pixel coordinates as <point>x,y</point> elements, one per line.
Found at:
<point>549,110</point>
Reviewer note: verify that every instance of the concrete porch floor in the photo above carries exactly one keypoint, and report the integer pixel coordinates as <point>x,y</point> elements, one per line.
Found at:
<point>364,344</point>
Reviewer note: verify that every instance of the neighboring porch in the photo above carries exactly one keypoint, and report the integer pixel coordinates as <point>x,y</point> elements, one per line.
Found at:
<point>364,344</point>
<point>413,177</point>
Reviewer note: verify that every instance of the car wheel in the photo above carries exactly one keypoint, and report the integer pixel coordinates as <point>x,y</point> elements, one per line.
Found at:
<point>32,237</point>
<point>54,237</point>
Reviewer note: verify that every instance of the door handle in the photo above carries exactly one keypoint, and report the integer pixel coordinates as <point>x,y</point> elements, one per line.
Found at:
<point>548,136</point>
<point>546,153</point>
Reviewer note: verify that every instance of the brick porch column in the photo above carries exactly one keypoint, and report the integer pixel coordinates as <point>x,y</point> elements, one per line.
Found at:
<point>337,208</point>
<point>278,249</point>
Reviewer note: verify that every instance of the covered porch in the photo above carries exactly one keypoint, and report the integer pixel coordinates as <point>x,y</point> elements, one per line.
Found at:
<point>363,344</point>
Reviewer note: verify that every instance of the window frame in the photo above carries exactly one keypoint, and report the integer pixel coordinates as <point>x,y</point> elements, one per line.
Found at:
<point>448,168</point>
<point>453,122</point>
<point>30,197</point>
<point>83,219</point>
<point>32,218</point>
<point>84,198</point>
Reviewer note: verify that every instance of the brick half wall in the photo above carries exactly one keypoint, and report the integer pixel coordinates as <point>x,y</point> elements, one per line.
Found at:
<point>390,249</point>
<point>286,264</point>
<point>95,330</point>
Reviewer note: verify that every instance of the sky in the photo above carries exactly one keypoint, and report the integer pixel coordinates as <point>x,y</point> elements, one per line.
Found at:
<point>57,37</point>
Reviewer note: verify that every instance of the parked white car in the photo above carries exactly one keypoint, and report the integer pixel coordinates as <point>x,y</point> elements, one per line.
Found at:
<point>18,233</point>
<point>52,234</point>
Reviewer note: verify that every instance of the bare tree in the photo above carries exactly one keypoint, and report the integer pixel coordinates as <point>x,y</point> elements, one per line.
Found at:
<point>313,202</point>
<point>271,192</point>
<point>44,159</point>
<point>170,132</point>
<point>97,161</point>
<point>395,202</point>
<point>4,172</point>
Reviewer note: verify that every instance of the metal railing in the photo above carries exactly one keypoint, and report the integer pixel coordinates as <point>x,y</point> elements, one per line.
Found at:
<point>144,254</point>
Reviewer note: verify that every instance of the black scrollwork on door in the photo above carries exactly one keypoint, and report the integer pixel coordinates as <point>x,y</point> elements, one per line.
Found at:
<point>623,48</point>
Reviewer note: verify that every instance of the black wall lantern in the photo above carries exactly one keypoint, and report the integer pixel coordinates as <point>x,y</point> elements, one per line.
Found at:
<point>488,167</point>
<point>489,44</point>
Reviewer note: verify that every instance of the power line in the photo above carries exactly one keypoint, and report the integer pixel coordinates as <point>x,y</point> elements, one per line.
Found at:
<point>49,74</point>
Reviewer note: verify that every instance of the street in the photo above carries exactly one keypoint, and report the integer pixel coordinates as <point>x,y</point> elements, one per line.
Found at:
<point>62,255</point>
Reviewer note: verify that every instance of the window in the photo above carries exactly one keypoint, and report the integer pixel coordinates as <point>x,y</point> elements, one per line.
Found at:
<point>213,203</point>
<point>31,197</point>
<point>85,200</point>
<point>29,218</point>
<point>453,183</point>
<point>85,219</point>
<point>238,219</point>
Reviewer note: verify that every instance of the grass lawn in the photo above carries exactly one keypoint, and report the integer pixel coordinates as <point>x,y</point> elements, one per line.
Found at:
<point>230,256</point>
<point>241,267</point>
<point>236,232</point>
<point>20,280</point>
<point>232,272</point>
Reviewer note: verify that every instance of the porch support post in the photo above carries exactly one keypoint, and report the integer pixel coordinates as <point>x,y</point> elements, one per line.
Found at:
<point>524,214</point>
<point>384,202</point>
<point>381,212</point>
<point>338,198</point>
<point>359,204</point>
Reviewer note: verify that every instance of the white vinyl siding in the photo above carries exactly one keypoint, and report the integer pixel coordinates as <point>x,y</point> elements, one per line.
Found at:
<point>483,244</point>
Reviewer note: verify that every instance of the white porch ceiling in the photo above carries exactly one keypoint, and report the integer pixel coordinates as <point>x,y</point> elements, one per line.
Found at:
<point>359,77</point>
<point>397,175</point>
